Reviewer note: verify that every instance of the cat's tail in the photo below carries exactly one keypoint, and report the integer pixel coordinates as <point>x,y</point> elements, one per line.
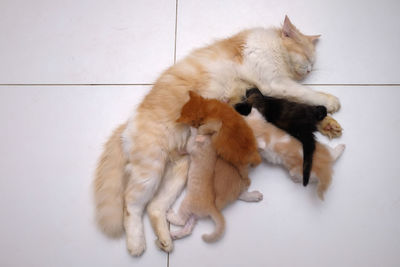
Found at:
<point>109,186</point>
<point>219,221</point>
<point>308,142</point>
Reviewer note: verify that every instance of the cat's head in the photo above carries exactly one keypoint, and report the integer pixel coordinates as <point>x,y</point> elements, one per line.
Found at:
<point>300,49</point>
<point>193,112</point>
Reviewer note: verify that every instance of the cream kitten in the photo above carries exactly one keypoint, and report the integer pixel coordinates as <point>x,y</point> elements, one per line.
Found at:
<point>270,59</point>
<point>212,184</point>
<point>278,147</point>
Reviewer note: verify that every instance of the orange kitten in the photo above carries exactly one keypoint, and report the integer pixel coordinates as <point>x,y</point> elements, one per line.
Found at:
<point>234,141</point>
<point>212,184</point>
<point>278,147</point>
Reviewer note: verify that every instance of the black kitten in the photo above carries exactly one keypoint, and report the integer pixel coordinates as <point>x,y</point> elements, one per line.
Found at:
<point>299,120</point>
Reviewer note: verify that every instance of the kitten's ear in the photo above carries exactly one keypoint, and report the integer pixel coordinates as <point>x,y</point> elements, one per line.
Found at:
<point>313,38</point>
<point>288,29</point>
<point>193,94</point>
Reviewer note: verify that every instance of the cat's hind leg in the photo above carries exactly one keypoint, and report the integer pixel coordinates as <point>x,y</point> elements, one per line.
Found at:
<point>170,187</point>
<point>147,170</point>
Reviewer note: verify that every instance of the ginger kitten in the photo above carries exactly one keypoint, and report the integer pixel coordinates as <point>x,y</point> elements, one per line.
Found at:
<point>212,184</point>
<point>233,139</point>
<point>278,147</point>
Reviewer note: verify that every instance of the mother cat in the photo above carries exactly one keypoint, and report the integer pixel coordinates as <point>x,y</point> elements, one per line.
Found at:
<point>142,160</point>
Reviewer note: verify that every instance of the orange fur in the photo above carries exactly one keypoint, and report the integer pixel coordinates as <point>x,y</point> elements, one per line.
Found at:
<point>213,183</point>
<point>228,184</point>
<point>279,147</point>
<point>234,141</point>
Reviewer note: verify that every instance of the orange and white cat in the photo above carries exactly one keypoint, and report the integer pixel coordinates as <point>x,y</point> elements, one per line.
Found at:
<point>212,184</point>
<point>145,153</point>
<point>278,147</point>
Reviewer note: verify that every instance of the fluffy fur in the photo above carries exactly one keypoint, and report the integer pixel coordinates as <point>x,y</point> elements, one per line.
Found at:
<point>233,139</point>
<point>298,119</point>
<point>277,147</point>
<point>271,59</point>
<point>212,184</point>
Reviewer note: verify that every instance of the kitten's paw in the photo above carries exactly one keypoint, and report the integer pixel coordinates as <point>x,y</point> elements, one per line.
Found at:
<point>257,196</point>
<point>165,244</point>
<point>296,178</point>
<point>332,103</point>
<point>175,235</point>
<point>136,247</point>
<point>174,218</point>
<point>330,127</point>
<point>254,196</point>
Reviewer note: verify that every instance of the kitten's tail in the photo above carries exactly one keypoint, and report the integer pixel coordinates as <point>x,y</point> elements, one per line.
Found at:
<point>325,177</point>
<point>109,185</point>
<point>308,152</point>
<point>219,221</point>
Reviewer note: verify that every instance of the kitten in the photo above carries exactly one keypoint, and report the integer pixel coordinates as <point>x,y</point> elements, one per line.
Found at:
<point>278,147</point>
<point>233,139</point>
<point>207,191</point>
<point>299,120</point>
<point>272,59</point>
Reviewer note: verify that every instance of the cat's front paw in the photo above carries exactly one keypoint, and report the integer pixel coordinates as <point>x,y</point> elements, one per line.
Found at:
<point>330,127</point>
<point>332,103</point>
<point>136,247</point>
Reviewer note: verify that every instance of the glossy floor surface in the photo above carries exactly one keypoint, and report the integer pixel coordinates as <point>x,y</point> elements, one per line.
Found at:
<point>71,71</point>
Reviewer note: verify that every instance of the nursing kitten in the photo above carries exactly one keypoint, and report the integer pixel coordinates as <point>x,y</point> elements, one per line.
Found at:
<point>278,147</point>
<point>233,139</point>
<point>299,120</point>
<point>212,184</point>
<point>272,59</point>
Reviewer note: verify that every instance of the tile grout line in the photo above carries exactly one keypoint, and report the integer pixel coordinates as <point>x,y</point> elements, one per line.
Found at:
<point>76,84</point>
<point>149,84</point>
<point>351,84</point>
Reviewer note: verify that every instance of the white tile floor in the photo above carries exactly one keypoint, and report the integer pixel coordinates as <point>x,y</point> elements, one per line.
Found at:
<point>71,71</point>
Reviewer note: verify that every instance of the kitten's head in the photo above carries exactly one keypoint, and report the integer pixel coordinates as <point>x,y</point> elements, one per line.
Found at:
<point>300,49</point>
<point>193,112</point>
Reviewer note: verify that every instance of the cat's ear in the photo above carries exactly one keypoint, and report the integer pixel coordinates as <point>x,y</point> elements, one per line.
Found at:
<point>193,94</point>
<point>288,29</point>
<point>313,38</point>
